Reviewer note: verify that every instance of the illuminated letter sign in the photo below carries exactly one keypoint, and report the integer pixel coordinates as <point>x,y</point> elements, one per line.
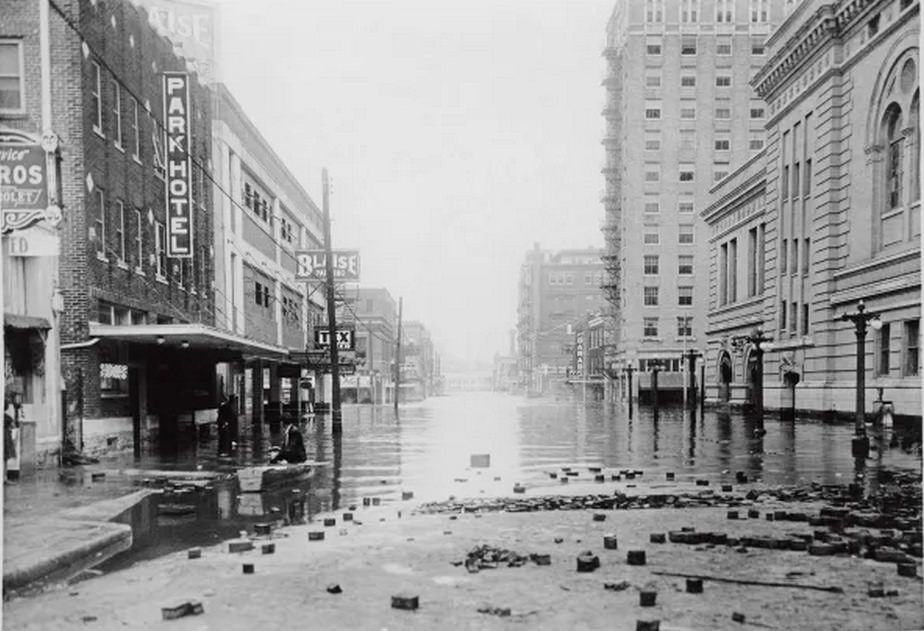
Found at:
<point>176,146</point>
<point>312,265</point>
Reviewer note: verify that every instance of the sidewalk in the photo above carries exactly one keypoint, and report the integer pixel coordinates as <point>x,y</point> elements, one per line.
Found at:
<point>386,551</point>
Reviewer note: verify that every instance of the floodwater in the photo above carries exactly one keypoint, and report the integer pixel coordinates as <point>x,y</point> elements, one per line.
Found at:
<point>427,450</point>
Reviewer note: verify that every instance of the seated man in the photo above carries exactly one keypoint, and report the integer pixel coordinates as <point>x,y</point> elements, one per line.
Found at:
<point>293,445</point>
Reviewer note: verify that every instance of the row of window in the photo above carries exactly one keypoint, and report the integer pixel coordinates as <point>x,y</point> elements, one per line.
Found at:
<point>723,48</point>
<point>690,11</point>
<point>651,295</point>
<point>792,318</point>
<point>257,203</point>
<point>291,307</point>
<point>650,326</point>
<point>652,236</point>
<point>593,279</point>
<point>789,256</point>
<point>123,246</point>
<point>728,266</point>
<point>653,80</point>
<point>909,348</point>
<point>686,173</point>
<point>683,207</point>
<point>688,141</point>
<point>688,112</point>
<point>651,264</point>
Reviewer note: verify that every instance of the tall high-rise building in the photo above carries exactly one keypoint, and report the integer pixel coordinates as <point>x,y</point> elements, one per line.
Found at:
<point>680,116</point>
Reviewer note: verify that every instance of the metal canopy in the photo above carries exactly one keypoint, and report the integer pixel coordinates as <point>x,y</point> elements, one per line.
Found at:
<point>19,321</point>
<point>195,336</point>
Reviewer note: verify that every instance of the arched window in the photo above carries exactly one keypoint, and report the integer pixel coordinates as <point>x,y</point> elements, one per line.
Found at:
<point>893,170</point>
<point>915,121</point>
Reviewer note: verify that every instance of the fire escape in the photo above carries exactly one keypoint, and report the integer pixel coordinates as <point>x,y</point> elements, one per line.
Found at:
<point>612,224</point>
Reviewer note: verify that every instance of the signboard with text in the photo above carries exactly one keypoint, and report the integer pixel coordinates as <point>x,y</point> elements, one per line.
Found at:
<point>23,186</point>
<point>345,338</point>
<point>176,147</point>
<point>312,265</point>
<point>192,26</point>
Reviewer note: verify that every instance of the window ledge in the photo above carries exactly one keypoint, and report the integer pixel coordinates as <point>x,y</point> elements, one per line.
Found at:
<point>161,279</point>
<point>102,258</point>
<point>137,160</point>
<point>652,339</point>
<point>140,271</point>
<point>122,264</point>
<point>118,146</point>
<point>98,132</point>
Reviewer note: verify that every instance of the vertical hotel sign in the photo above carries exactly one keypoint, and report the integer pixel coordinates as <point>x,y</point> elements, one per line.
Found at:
<point>179,191</point>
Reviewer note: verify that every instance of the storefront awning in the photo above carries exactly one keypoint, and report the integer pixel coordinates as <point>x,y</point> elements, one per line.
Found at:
<point>18,321</point>
<point>194,336</point>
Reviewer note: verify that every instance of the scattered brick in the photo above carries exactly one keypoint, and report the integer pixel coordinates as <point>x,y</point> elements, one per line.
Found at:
<point>316,535</point>
<point>248,568</point>
<point>194,553</point>
<point>909,569</point>
<point>240,546</point>
<point>647,625</point>
<point>334,588</point>
<point>268,548</point>
<point>610,542</point>
<point>599,517</point>
<point>405,601</point>
<point>647,597</point>
<point>263,529</point>
<point>694,586</point>
<point>657,537</point>
<point>635,557</point>
<point>587,562</point>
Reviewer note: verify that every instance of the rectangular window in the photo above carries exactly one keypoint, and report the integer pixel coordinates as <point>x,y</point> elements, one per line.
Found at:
<point>653,81</point>
<point>752,262</point>
<point>653,48</point>
<point>722,113</point>
<point>723,11</point>
<point>794,257</point>
<point>685,296</point>
<point>139,240</point>
<point>652,207</point>
<point>784,183</point>
<point>652,113</point>
<point>136,128</point>
<point>733,270</point>
<point>782,316</point>
<point>894,173</point>
<point>688,11</point>
<point>654,10</point>
<point>806,245</point>
<point>757,112</point>
<point>873,26</point>
<point>685,207</point>
<point>755,144</point>
<point>758,49</point>
<point>100,221</point>
<point>807,182</point>
<point>719,175</point>
<point>652,144</point>
<point>784,245</point>
<point>120,229</point>
<point>685,264</point>
<point>723,274</point>
<point>884,349</point>
<point>722,144</point>
<point>723,81</point>
<point>684,326</point>
<point>688,46</point>
<point>688,139</point>
<point>723,47</point>
<point>652,238</point>
<point>179,271</point>
<point>794,317</point>
<point>650,327</point>
<point>686,175</point>
<point>912,343</point>
<point>688,81</point>
<point>685,235</point>
<point>652,176</point>
<point>96,92</point>
<point>650,264</point>
<point>688,113</point>
<point>650,296</point>
<point>12,81</point>
<point>117,113</point>
<point>805,319</point>
<point>795,180</point>
<point>160,247</point>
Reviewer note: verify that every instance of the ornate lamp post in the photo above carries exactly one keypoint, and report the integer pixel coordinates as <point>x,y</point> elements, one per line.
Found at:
<point>691,356</point>
<point>860,318</point>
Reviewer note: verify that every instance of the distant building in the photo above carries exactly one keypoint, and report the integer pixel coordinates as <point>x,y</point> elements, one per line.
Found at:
<point>555,290</point>
<point>828,215</point>
<point>374,316</point>
<point>680,116</point>
<point>417,362</point>
<point>588,368</point>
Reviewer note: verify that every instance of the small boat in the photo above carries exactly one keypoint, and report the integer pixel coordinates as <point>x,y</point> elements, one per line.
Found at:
<point>256,479</point>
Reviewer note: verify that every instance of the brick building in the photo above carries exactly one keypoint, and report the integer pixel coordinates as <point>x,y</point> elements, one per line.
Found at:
<point>374,316</point>
<point>680,116</point>
<point>836,196</point>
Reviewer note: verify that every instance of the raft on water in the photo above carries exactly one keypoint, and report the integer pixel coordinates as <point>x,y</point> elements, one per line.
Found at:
<point>255,479</point>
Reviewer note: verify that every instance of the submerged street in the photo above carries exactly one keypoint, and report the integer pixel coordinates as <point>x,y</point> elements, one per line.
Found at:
<point>384,468</point>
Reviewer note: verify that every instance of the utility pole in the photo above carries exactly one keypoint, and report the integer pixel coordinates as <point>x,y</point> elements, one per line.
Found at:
<point>336,421</point>
<point>398,355</point>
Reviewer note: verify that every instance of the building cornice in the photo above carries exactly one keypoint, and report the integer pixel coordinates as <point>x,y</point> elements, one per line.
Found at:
<point>747,188</point>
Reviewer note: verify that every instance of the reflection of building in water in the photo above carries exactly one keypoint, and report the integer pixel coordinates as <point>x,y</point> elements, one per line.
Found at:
<point>805,229</point>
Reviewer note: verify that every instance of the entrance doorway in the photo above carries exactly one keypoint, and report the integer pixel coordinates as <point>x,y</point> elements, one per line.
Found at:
<point>725,377</point>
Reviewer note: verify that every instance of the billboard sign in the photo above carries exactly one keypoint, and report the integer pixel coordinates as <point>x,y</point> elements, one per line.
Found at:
<point>192,26</point>
<point>346,340</point>
<point>312,265</point>
<point>23,185</point>
<point>178,175</point>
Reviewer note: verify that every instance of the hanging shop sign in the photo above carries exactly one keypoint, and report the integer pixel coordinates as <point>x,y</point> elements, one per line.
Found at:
<point>177,177</point>
<point>33,242</point>
<point>312,265</point>
<point>23,185</point>
<point>345,338</point>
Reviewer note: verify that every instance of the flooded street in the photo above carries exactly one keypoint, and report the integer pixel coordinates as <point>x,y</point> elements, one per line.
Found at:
<point>427,450</point>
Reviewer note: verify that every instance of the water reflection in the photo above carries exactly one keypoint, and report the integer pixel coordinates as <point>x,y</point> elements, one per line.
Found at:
<point>428,452</point>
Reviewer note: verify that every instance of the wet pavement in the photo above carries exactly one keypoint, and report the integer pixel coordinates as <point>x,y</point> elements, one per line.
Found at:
<point>427,450</point>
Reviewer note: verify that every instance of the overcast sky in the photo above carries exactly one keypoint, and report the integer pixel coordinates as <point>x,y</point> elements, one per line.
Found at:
<point>456,134</point>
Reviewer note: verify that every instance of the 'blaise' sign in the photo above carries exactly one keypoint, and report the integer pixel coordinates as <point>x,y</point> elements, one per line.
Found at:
<point>312,265</point>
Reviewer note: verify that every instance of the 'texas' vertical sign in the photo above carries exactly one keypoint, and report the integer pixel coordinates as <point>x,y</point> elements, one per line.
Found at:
<point>177,146</point>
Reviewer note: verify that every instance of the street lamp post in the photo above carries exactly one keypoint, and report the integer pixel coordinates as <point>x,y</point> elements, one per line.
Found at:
<point>629,369</point>
<point>860,318</point>
<point>691,356</point>
<point>655,365</point>
<point>759,341</point>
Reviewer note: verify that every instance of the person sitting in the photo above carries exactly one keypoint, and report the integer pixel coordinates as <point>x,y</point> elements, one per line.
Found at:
<point>293,445</point>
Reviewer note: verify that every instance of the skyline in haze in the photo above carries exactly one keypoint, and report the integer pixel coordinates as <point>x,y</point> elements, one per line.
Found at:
<point>456,137</point>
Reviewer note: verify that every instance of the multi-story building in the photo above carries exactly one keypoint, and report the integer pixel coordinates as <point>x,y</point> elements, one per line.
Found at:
<point>555,290</point>
<point>374,317</point>
<point>417,362</point>
<point>836,205</point>
<point>588,366</point>
<point>262,216</point>
<point>680,116</point>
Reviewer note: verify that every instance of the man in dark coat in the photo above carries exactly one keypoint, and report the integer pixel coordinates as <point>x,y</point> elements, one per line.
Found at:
<point>293,445</point>
<point>227,425</point>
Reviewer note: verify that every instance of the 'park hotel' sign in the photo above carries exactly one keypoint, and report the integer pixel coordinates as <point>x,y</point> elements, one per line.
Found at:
<point>179,192</point>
